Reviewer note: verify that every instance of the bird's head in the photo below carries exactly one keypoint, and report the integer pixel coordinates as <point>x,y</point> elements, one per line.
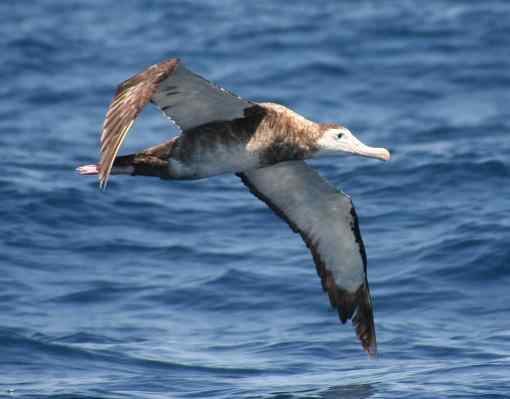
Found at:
<point>338,140</point>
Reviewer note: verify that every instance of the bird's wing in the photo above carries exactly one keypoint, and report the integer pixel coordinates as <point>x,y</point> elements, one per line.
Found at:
<point>186,98</point>
<point>326,220</point>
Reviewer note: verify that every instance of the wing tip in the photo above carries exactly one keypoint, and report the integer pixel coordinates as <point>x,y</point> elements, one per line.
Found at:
<point>102,178</point>
<point>358,307</point>
<point>130,98</point>
<point>363,321</point>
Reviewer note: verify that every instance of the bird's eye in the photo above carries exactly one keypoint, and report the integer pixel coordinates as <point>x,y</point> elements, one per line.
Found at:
<point>340,135</point>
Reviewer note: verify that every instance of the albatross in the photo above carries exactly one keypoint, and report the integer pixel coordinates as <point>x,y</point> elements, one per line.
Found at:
<point>266,145</point>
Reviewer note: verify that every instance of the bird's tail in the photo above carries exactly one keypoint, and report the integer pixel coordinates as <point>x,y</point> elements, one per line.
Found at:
<point>88,169</point>
<point>150,162</point>
<point>123,165</point>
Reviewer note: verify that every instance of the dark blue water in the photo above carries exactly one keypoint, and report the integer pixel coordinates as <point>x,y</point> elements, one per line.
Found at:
<point>159,289</point>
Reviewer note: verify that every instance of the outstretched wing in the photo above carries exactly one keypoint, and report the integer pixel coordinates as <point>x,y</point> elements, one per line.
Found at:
<point>327,222</point>
<point>186,98</point>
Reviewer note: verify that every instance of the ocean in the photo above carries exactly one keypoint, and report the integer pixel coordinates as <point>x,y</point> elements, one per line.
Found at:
<point>195,289</point>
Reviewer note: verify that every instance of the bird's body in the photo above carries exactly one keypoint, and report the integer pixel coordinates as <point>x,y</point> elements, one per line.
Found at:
<point>265,144</point>
<point>261,138</point>
<point>267,134</point>
<point>218,147</point>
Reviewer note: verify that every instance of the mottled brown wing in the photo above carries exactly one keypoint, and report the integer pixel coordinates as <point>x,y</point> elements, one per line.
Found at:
<point>327,222</point>
<point>185,97</point>
<point>129,100</point>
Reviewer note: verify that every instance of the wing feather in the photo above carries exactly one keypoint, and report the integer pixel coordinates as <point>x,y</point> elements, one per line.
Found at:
<point>129,100</point>
<point>327,222</point>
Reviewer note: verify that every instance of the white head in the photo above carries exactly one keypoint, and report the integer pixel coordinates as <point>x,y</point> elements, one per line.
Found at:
<point>338,140</point>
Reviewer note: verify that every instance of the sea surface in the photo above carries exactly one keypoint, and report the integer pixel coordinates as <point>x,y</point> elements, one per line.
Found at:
<point>161,289</point>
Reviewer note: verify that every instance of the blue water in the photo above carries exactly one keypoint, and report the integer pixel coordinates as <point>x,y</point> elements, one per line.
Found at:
<point>159,289</point>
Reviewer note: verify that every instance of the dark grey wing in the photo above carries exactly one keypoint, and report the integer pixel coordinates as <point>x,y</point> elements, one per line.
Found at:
<point>190,100</point>
<point>186,98</point>
<point>327,222</point>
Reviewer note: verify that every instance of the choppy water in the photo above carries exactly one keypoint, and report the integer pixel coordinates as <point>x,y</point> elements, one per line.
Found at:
<point>194,289</point>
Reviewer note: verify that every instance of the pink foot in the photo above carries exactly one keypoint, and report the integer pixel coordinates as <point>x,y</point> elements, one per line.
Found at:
<point>88,169</point>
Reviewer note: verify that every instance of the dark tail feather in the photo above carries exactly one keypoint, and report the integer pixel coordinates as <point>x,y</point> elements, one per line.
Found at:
<point>141,164</point>
<point>124,161</point>
<point>124,165</point>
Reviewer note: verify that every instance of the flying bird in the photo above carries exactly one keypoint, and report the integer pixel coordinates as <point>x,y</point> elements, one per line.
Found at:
<point>265,144</point>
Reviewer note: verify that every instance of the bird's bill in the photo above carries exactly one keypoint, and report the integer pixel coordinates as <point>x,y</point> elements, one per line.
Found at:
<point>372,152</point>
<point>358,148</point>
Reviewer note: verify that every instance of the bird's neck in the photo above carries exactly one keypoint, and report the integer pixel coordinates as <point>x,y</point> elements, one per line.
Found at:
<point>285,135</point>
